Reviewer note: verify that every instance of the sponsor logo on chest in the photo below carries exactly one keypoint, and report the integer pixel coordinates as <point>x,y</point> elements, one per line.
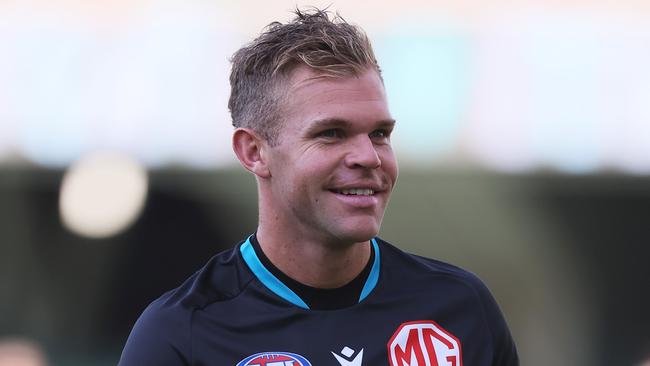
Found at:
<point>424,343</point>
<point>274,359</point>
<point>348,358</point>
<point>414,343</point>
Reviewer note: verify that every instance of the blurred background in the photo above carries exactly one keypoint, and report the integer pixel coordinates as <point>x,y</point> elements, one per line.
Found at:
<point>523,138</point>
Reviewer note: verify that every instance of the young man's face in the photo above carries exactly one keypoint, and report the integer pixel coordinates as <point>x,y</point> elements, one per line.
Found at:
<point>333,168</point>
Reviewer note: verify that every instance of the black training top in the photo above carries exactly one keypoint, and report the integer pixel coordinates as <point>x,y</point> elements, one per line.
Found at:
<point>410,311</point>
<point>319,298</point>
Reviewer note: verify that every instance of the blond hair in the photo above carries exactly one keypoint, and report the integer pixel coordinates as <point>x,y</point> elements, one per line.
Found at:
<point>330,46</point>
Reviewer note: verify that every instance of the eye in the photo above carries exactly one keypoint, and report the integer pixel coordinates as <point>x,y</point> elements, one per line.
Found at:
<point>380,134</point>
<point>332,133</point>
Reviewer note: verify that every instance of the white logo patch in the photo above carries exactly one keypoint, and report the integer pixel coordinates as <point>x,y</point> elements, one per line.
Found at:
<point>424,343</point>
<point>347,360</point>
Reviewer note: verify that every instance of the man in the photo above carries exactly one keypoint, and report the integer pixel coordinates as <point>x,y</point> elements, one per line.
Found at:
<point>314,285</point>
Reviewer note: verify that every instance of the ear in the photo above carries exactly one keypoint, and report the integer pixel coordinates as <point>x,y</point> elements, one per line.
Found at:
<point>249,148</point>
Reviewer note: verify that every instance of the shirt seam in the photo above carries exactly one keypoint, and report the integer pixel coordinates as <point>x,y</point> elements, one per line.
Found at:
<point>481,301</point>
<point>201,308</point>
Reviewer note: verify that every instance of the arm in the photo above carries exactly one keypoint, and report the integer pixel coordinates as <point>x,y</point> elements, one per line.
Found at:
<point>505,351</point>
<point>160,337</point>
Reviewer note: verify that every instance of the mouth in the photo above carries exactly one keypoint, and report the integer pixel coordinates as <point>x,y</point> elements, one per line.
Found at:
<point>358,197</point>
<point>355,191</point>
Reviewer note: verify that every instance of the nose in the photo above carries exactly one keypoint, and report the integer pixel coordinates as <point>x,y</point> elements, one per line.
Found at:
<point>362,154</point>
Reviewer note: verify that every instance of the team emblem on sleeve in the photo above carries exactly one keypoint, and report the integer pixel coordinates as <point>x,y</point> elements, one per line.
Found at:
<point>424,343</point>
<point>274,359</point>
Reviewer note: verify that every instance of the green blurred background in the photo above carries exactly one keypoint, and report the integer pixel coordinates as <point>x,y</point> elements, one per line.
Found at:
<point>566,257</point>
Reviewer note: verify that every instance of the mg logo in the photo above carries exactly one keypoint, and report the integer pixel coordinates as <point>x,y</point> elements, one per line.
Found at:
<point>424,343</point>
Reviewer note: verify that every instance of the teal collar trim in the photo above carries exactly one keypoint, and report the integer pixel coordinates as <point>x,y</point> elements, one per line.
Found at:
<point>266,277</point>
<point>280,289</point>
<point>373,277</point>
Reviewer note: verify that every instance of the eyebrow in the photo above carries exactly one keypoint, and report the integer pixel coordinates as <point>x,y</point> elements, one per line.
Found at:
<point>342,123</point>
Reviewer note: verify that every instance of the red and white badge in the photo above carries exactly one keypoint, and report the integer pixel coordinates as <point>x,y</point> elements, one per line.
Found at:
<point>424,343</point>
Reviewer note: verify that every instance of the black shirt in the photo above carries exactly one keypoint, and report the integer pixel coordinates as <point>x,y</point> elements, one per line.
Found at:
<point>411,310</point>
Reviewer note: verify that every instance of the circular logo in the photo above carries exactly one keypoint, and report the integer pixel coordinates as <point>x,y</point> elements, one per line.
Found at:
<point>274,359</point>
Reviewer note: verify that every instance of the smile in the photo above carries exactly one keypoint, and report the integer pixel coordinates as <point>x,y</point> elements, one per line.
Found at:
<point>357,191</point>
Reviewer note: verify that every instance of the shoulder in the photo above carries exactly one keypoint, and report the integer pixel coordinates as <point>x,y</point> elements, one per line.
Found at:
<point>412,267</point>
<point>222,278</point>
<point>418,274</point>
<point>416,277</point>
<point>162,334</point>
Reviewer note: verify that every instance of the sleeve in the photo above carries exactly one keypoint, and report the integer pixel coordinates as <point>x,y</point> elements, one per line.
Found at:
<point>160,337</point>
<point>505,350</point>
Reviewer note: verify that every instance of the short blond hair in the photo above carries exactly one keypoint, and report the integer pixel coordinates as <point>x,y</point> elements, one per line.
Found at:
<point>329,45</point>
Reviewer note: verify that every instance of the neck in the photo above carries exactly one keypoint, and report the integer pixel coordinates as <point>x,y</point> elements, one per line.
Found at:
<point>313,262</point>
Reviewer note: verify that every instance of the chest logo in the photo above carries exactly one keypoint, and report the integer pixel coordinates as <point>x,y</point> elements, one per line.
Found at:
<point>424,343</point>
<point>346,358</point>
<point>274,359</point>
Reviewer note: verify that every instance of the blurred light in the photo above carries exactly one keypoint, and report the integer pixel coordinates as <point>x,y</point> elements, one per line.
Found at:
<point>496,135</point>
<point>427,80</point>
<point>634,136</point>
<point>14,352</point>
<point>102,195</point>
<point>153,85</point>
<point>514,88</point>
<point>571,97</point>
<point>571,106</point>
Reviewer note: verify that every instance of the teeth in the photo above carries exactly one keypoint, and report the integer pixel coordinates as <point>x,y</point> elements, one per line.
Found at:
<point>358,191</point>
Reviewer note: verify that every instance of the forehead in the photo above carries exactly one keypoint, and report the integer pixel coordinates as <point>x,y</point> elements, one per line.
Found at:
<point>313,96</point>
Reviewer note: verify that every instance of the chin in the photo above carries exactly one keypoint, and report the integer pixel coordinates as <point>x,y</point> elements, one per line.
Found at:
<point>357,234</point>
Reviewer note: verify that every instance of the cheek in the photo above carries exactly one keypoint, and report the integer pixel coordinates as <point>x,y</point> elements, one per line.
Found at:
<point>389,163</point>
<point>300,181</point>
